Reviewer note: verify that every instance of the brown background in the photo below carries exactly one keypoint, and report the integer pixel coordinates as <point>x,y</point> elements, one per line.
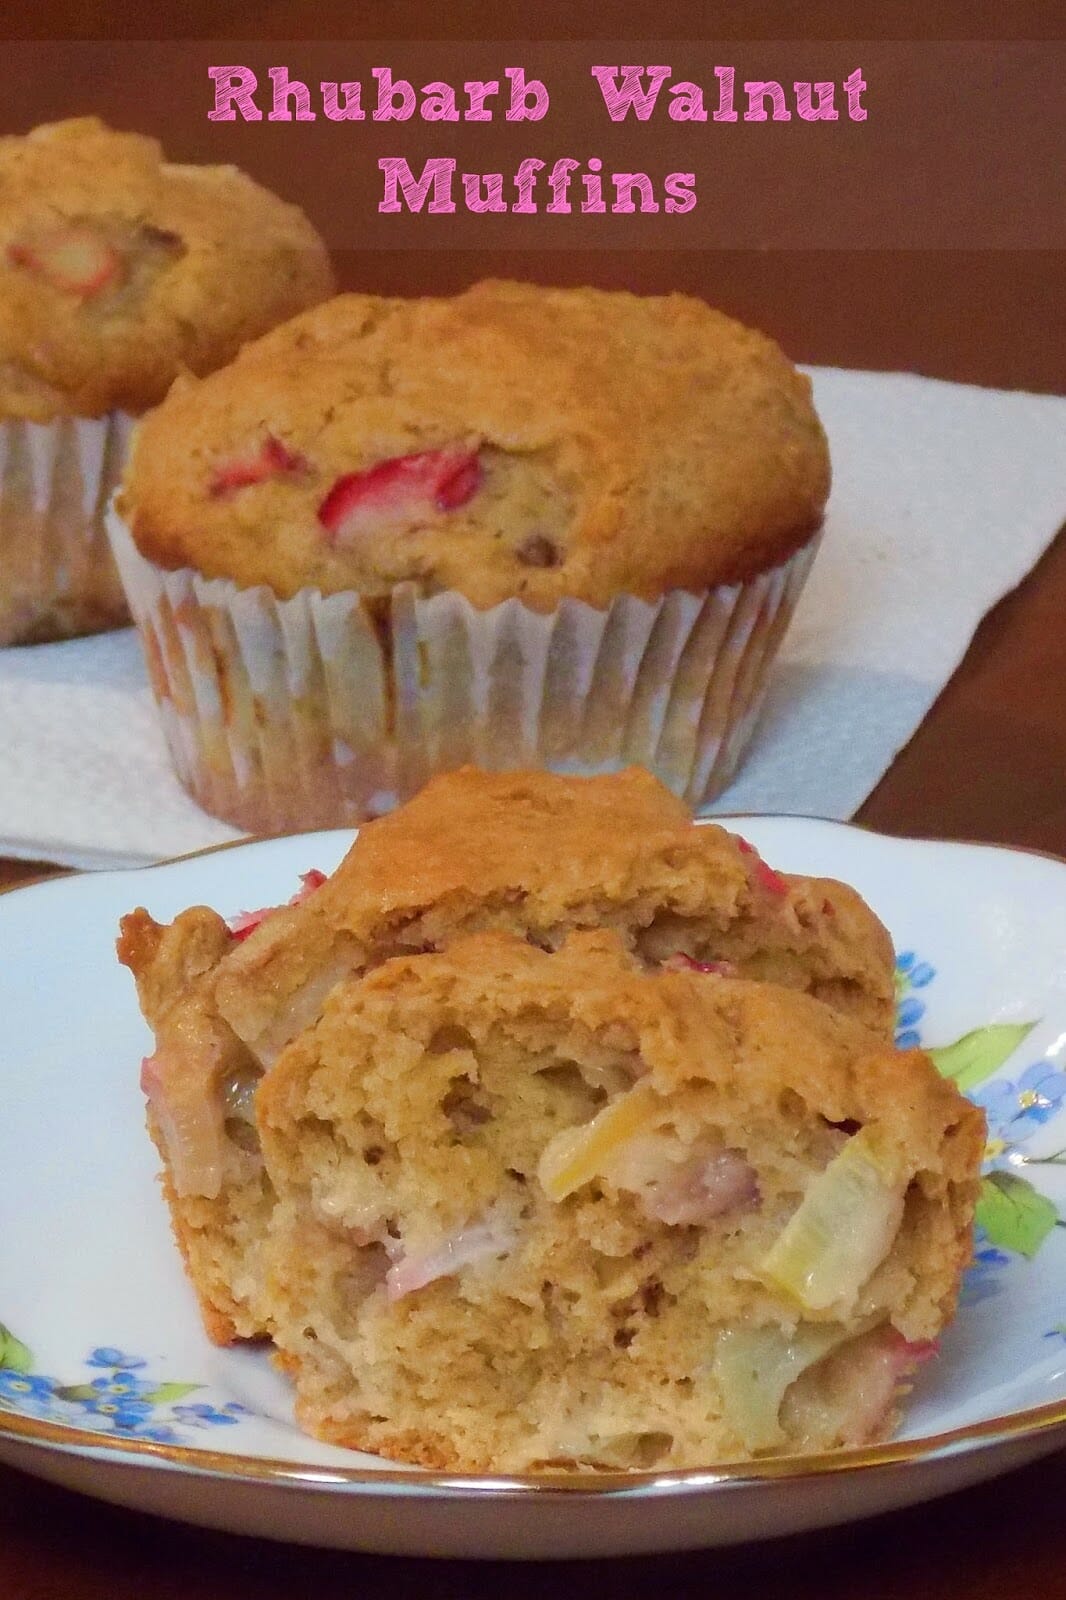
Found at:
<point>929,167</point>
<point>989,762</point>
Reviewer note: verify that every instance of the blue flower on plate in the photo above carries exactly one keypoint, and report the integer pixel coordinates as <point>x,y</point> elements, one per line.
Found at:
<point>205,1416</point>
<point>911,974</point>
<point>983,1278</point>
<point>21,1387</point>
<point>117,1401</point>
<point>121,1386</point>
<point>914,974</point>
<point>105,1355</point>
<point>34,1396</point>
<point>909,1011</point>
<point>1016,1109</point>
<point>121,1413</point>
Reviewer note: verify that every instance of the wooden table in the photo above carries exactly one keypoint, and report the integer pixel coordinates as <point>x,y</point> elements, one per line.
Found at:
<point>988,763</point>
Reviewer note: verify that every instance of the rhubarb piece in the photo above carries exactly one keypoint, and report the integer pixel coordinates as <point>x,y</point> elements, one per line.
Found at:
<point>576,1156</point>
<point>246,922</point>
<point>484,1241</point>
<point>755,1368</point>
<point>768,879</point>
<point>842,1230</point>
<point>711,1183</point>
<point>763,875</point>
<point>414,487</point>
<point>683,963</point>
<point>309,882</point>
<point>189,1121</point>
<point>271,460</point>
<point>879,1378</point>
<point>74,258</point>
<point>682,1185</point>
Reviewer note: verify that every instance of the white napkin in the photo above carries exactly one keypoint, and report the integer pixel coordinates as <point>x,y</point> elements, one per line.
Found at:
<point>943,498</point>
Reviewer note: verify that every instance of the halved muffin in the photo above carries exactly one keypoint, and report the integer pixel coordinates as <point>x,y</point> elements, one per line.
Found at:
<point>528,853</point>
<point>538,1208</point>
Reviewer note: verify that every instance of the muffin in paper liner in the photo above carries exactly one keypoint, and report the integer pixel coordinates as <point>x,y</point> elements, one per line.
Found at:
<point>57,576</point>
<point>326,709</point>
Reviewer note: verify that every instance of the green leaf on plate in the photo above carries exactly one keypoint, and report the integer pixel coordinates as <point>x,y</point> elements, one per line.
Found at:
<point>168,1392</point>
<point>77,1391</point>
<point>1013,1214</point>
<point>974,1057</point>
<point>14,1355</point>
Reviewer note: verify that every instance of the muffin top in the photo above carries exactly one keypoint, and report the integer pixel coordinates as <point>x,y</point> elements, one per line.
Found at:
<point>667,1029</point>
<point>539,854</point>
<point>510,441</point>
<point>118,269</point>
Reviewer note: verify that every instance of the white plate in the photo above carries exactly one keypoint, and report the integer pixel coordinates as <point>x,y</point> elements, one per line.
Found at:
<point>108,1385</point>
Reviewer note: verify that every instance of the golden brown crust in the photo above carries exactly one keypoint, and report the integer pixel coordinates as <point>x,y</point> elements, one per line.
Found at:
<point>194,261</point>
<point>195,1053</point>
<point>414,1446</point>
<point>167,958</point>
<point>218,1313</point>
<point>546,853</point>
<point>789,1039</point>
<point>626,445</point>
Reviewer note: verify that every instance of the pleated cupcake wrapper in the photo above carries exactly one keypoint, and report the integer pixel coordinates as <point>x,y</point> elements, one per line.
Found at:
<point>302,713</point>
<point>57,576</point>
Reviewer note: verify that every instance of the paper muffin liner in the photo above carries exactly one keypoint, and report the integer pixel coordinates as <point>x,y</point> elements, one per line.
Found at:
<point>57,576</point>
<point>321,710</point>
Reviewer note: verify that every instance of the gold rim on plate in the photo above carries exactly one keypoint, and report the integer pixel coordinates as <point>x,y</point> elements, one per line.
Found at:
<point>1031,1423</point>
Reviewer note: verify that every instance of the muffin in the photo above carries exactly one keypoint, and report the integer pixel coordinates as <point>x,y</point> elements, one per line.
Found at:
<point>539,1209</point>
<point>528,853</point>
<point>118,270</point>
<point>519,527</point>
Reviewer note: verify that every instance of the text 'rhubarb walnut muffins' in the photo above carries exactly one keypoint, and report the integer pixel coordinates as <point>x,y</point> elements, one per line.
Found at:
<point>539,1209</point>
<point>118,270</point>
<point>519,527</point>
<point>530,854</point>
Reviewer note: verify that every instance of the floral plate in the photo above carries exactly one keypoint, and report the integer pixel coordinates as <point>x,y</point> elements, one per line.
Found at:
<point>108,1385</point>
